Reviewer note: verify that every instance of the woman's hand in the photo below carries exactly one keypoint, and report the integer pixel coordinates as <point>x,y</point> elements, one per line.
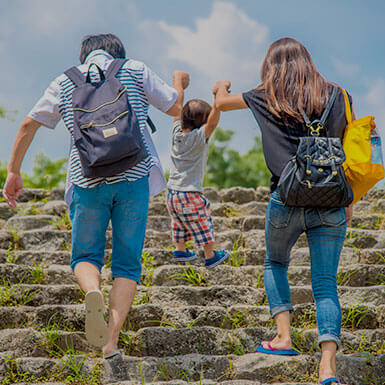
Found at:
<point>349,214</point>
<point>222,85</point>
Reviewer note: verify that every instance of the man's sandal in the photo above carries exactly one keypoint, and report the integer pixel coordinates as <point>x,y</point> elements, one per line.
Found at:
<point>96,327</point>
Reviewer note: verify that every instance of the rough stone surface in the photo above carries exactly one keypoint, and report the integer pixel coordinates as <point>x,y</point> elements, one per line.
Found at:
<point>188,324</point>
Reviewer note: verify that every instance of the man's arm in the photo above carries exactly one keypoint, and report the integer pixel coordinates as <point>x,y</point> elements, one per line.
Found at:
<point>14,183</point>
<point>224,101</point>
<point>180,81</point>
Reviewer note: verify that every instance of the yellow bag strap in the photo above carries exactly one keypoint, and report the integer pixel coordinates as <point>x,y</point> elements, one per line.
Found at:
<point>348,110</point>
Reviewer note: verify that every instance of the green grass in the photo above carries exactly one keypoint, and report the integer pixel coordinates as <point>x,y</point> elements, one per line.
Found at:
<point>61,222</point>
<point>13,295</point>
<point>38,274</point>
<point>237,257</point>
<point>191,276</point>
<point>354,316</point>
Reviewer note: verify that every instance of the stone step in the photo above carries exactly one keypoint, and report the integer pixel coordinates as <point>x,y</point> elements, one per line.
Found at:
<point>56,240</point>
<point>71,317</point>
<point>174,275</point>
<point>171,275</point>
<point>252,367</point>
<point>218,295</point>
<point>49,342</point>
<point>163,222</point>
<point>168,341</point>
<point>160,257</point>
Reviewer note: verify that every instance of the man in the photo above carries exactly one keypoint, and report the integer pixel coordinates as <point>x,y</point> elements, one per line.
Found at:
<point>93,202</point>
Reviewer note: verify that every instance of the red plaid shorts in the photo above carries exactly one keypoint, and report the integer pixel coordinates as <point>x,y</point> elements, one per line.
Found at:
<point>190,217</point>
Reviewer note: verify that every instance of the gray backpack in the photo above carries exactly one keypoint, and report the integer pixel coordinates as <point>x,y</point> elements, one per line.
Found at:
<point>106,130</point>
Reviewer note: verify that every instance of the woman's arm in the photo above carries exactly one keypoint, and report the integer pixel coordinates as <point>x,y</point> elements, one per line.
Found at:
<point>224,101</point>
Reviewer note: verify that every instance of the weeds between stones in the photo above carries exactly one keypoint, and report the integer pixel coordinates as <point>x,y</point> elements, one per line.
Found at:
<point>300,342</point>
<point>38,274</point>
<point>343,277</point>
<point>61,222</point>
<point>236,258</point>
<point>10,255</point>
<point>355,315</point>
<point>233,346</point>
<point>149,268</point>
<point>16,240</point>
<point>10,295</point>
<point>190,275</point>
<point>365,346</point>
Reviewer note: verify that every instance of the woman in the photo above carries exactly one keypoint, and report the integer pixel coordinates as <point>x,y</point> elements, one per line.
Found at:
<point>290,85</point>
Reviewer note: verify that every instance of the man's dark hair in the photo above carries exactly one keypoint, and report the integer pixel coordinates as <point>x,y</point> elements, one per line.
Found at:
<point>106,41</point>
<point>195,114</point>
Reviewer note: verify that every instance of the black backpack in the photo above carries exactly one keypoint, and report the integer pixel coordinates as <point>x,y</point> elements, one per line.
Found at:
<point>314,177</point>
<point>106,129</point>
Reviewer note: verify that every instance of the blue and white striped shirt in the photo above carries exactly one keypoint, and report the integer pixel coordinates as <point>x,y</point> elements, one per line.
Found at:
<point>144,87</point>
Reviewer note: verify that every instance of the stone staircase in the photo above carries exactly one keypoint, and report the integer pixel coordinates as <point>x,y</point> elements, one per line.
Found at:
<point>188,325</point>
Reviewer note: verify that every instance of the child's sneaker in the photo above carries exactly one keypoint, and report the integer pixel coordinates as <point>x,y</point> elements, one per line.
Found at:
<point>219,257</point>
<point>184,256</point>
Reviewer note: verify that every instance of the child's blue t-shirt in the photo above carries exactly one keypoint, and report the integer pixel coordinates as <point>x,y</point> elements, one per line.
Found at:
<point>189,153</point>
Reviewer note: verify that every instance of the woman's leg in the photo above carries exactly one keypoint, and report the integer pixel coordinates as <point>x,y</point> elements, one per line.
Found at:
<point>325,244</point>
<point>283,227</point>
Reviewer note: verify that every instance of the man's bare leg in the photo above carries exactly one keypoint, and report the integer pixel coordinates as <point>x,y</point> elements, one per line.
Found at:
<point>88,276</point>
<point>121,297</point>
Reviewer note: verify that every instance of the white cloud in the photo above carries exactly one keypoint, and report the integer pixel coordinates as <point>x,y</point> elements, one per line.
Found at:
<point>345,69</point>
<point>228,44</point>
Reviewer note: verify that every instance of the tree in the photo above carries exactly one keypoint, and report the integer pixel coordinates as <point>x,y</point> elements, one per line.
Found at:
<point>227,167</point>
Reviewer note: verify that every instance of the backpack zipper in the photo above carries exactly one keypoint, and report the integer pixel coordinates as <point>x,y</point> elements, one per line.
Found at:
<point>102,105</point>
<point>91,123</point>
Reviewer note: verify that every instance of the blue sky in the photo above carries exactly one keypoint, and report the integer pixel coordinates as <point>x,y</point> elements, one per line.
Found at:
<point>212,40</point>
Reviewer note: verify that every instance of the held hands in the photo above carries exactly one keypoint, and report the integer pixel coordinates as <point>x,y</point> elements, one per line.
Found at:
<point>222,85</point>
<point>12,188</point>
<point>182,78</point>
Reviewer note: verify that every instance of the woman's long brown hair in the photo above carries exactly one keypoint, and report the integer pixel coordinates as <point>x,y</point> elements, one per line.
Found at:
<point>291,81</point>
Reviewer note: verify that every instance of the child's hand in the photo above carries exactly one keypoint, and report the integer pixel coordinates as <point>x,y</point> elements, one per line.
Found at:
<point>223,84</point>
<point>182,77</point>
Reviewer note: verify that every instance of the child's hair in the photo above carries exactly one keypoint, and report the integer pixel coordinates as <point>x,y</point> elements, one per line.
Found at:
<point>195,113</point>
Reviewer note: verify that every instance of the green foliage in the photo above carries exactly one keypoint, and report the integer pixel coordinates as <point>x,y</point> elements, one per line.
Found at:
<point>227,167</point>
<point>190,275</point>
<point>46,173</point>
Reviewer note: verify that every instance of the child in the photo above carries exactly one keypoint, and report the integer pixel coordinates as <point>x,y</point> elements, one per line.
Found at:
<point>188,207</point>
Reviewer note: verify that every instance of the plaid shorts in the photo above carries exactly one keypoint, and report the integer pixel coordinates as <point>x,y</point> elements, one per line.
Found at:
<point>190,217</point>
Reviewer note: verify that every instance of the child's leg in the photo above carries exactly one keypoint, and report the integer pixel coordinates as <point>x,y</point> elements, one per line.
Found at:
<point>209,250</point>
<point>180,246</point>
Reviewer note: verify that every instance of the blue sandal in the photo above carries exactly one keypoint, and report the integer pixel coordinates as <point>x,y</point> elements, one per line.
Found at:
<point>277,352</point>
<point>330,381</point>
<point>219,257</point>
<point>184,256</point>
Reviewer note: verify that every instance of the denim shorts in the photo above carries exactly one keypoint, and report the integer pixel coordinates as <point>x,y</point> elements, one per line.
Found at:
<point>126,205</point>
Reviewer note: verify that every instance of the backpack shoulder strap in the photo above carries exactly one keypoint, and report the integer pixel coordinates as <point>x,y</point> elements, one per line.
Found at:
<point>75,76</point>
<point>114,67</point>
<point>348,110</point>
<point>328,107</point>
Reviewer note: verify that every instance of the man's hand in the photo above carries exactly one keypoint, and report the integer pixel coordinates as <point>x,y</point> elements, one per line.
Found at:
<point>13,188</point>
<point>221,84</point>
<point>182,78</point>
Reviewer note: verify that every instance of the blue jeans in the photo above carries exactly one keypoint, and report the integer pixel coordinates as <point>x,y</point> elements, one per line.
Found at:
<point>91,209</point>
<point>325,230</point>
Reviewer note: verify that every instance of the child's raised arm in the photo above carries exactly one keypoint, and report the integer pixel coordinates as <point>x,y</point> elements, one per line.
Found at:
<point>180,81</point>
<point>212,121</point>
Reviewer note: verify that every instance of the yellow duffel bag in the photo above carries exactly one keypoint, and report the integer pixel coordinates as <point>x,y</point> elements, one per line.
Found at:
<point>363,166</point>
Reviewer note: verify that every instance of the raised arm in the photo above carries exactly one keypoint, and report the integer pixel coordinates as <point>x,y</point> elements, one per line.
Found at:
<point>14,184</point>
<point>224,101</point>
<point>212,121</point>
<point>180,81</point>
